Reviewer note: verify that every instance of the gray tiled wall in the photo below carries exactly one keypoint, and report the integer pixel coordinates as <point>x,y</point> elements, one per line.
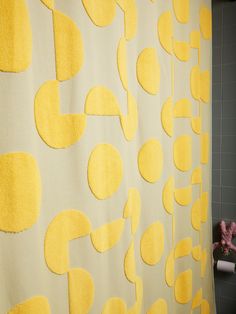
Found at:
<point>224,138</point>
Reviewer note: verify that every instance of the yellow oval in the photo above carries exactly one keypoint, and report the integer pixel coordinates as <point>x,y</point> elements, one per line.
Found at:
<point>20,187</point>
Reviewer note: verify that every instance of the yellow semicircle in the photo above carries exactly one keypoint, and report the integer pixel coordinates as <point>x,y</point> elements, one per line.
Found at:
<point>81,291</point>
<point>150,160</point>
<point>183,196</point>
<point>197,299</point>
<point>183,108</point>
<point>183,287</point>
<point>183,152</point>
<point>115,306</point>
<point>183,247</point>
<point>101,12</point>
<point>167,115</point>
<point>130,264</point>
<point>56,129</point>
<point>158,307</point>
<point>168,196</point>
<point>35,305</point>
<point>66,226</point>
<point>205,22</point>
<point>122,62</point>
<point>69,51</point>
<point>105,171</point>
<point>181,9</point>
<point>170,269</point>
<point>196,215</point>
<point>152,243</point>
<point>148,70</point>
<point>182,50</point>
<point>101,101</point>
<point>165,31</point>
<point>108,235</point>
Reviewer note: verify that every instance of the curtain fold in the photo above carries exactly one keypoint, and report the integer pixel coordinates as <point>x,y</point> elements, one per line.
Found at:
<point>105,157</point>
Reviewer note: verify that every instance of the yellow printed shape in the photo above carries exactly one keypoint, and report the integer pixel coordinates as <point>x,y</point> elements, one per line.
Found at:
<point>148,71</point>
<point>129,264</point>
<point>101,12</point>
<point>159,307</point>
<point>195,39</point>
<point>105,171</point>
<point>122,62</point>
<point>129,123</point>
<point>57,130</point>
<point>68,225</point>
<point>165,31</point>
<point>197,299</point>
<point>170,269</point>
<point>150,160</point>
<point>69,49</point>
<point>34,305</point>
<point>168,196</point>
<point>81,291</point>
<point>115,306</point>
<point>204,148</point>
<point>183,247</point>
<point>204,207</point>
<point>101,101</point>
<point>181,9</point>
<point>167,117</point>
<point>183,108</point>
<point>152,243</point>
<point>183,196</point>
<point>181,50</point>
<point>196,124</point>
<point>107,236</point>
<point>196,215</point>
<point>133,209</point>
<point>203,263</point>
<point>49,4</point>
<point>15,36</point>
<point>129,7</point>
<point>183,287</point>
<point>197,176</point>
<point>20,187</point>
<point>195,82</point>
<point>197,252</point>
<point>205,86</point>
<point>205,307</point>
<point>183,152</point>
<point>205,22</point>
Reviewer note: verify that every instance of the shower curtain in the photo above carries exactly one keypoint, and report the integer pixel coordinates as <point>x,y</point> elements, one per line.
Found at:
<point>105,136</point>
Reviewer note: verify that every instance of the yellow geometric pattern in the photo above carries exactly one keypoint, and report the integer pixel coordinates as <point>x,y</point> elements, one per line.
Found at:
<point>105,193</point>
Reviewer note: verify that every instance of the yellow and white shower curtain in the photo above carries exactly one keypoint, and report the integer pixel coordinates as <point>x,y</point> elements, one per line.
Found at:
<point>105,136</point>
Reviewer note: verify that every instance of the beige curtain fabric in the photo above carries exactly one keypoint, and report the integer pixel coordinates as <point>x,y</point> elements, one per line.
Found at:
<point>105,159</point>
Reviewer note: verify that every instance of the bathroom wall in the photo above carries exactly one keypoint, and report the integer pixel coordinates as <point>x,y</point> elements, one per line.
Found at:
<point>224,138</point>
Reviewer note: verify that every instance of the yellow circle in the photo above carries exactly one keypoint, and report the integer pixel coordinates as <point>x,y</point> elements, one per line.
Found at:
<point>105,171</point>
<point>150,160</point>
